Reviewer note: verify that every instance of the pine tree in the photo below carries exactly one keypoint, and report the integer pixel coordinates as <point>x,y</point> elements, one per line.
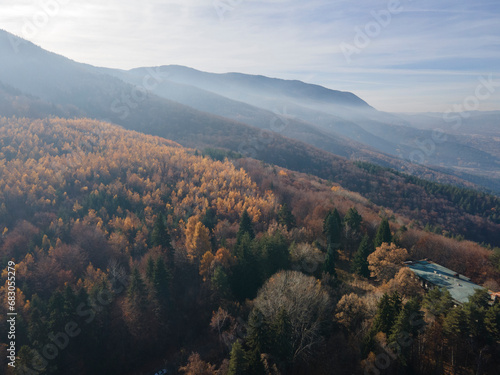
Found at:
<point>353,219</point>
<point>210,219</point>
<point>360,261</point>
<point>382,320</point>
<point>258,332</point>
<point>160,235</point>
<point>332,228</point>
<point>70,302</point>
<point>161,282</point>
<point>456,332</point>
<point>351,230</point>
<point>455,322</point>
<point>37,328</point>
<point>282,337</point>
<point>274,252</point>
<point>396,303</point>
<point>137,292</point>
<point>28,360</point>
<point>388,310</point>
<point>286,218</point>
<point>150,268</point>
<point>245,227</point>
<point>247,274</point>
<point>95,336</point>
<point>237,361</point>
<point>383,234</point>
<point>220,282</point>
<point>254,363</point>
<point>480,298</point>
<point>475,310</point>
<point>407,319</point>
<point>492,323</point>
<point>405,328</point>
<point>438,302</point>
<point>82,297</point>
<point>57,316</point>
<point>330,260</point>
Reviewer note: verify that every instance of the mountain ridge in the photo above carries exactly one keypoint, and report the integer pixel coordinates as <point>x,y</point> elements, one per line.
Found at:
<point>391,134</point>
<point>103,95</point>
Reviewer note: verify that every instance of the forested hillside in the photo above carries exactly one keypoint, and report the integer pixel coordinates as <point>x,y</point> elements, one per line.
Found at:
<point>134,254</point>
<point>37,83</point>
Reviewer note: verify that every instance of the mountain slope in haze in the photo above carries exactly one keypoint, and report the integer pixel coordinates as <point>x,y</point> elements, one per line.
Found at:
<point>15,103</point>
<point>248,88</point>
<point>337,113</point>
<point>473,137</point>
<point>94,93</point>
<point>480,130</point>
<point>474,122</point>
<point>55,79</point>
<point>98,95</point>
<point>58,80</point>
<point>350,142</point>
<point>356,132</point>
<point>294,99</point>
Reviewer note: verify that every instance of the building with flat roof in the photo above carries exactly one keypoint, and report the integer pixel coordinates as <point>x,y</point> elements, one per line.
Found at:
<point>433,275</point>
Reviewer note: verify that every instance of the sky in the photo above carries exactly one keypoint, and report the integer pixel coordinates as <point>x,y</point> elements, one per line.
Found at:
<point>398,55</point>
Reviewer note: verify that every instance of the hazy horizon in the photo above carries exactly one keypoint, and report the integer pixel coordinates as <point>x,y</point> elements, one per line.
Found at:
<point>408,57</point>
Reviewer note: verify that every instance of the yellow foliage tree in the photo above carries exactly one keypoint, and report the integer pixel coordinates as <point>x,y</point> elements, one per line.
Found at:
<point>206,265</point>
<point>224,258</point>
<point>209,262</point>
<point>197,238</point>
<point>405,283</point>
<point>386,261</point>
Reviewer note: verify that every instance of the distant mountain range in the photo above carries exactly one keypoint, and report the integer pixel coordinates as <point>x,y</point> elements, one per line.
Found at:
<point>249,114</point>
<point>342,115</point>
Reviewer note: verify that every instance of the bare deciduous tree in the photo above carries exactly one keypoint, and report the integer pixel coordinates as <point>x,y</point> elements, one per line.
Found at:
<point>306,303</point>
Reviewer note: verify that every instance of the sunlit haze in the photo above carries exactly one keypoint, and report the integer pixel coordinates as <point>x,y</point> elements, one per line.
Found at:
<point>399,56</point>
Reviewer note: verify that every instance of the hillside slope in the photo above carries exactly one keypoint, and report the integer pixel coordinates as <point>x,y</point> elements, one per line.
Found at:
<point>338,113</point>
<point>146,245</point>
<point>92,92</point>
<point>98,95</point>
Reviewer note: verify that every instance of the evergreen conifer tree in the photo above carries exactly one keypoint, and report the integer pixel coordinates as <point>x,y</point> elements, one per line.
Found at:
<point>237,361</point>
<point>160,235</point>
<point>286,218</point>
<point>383,234</point>
<point>245,227</point>
<point>332,228</point>
<point>161,281</point>
<point>254,363</point>
<point>258,332</point>
<point>150,268</point>
<point>330,260</point>
<point>360,260</point>
<point>282,332</point>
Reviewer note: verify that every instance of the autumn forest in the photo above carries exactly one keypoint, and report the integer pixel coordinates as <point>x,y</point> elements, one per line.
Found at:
<point>135,255</point>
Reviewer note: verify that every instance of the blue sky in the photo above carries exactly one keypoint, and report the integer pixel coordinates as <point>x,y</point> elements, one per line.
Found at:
<point>428,56</point>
